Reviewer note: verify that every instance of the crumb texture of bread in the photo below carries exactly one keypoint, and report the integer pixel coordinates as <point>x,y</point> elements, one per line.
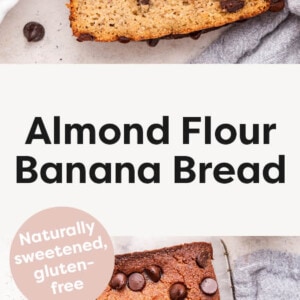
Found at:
<point>161,272</point>
<point>110,20</point>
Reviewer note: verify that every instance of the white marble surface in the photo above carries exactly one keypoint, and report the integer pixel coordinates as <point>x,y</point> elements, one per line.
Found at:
<point>59,46</point>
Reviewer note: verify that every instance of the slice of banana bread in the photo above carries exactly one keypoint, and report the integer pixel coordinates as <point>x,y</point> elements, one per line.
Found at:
<point>125,20</point>
<point>182,272</point>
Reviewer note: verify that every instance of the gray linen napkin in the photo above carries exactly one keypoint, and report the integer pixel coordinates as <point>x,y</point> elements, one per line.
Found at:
<point>268,38</point>
<point>267,275</point>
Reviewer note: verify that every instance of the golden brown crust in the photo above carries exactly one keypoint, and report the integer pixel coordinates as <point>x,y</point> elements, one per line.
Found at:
<point>110,20</point>
<point>178,265</point>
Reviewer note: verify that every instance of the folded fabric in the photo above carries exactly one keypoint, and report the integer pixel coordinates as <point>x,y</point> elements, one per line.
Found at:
<point>267,275</point>
<point>268,38</point>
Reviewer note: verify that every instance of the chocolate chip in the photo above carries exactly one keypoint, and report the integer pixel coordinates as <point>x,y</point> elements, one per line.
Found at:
<point>136,282</point>
<point>232,5</point>
<point>202,259</point>
<point>33,31</point>
<point>154,273</point>
<point>144,2</point>
<point>124,39</point>
<point>152,42</point>
<point>178,291</point>
<point>85,37</point>
<point>276,5</point>
<point>176,36</point>
<point>196,35</point>
<point>118,281</point>
<point>209,286</point>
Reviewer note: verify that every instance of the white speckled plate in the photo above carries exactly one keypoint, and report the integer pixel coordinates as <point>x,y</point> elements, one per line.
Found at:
<point>60,47</point>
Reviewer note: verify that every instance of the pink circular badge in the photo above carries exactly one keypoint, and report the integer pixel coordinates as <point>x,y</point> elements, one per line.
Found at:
<point>62,253</point>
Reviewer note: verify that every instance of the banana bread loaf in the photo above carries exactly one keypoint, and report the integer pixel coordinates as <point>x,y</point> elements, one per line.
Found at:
<point>111,20</point>
<point>182,272</point>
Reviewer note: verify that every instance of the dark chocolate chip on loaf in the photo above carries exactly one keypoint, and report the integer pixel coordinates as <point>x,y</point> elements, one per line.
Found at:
<point>182,272</point>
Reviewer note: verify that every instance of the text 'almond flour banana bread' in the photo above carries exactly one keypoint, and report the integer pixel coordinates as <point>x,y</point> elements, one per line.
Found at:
<point>125,20</point>
<point>182,272</point>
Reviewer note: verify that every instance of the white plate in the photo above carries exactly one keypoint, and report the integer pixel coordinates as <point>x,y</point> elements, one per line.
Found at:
<point>60,47</point>
<point>5,6</point>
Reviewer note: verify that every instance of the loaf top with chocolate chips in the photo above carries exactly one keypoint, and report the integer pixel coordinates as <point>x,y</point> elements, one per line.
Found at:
<point>174,273</point>
<point>110,20</point>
